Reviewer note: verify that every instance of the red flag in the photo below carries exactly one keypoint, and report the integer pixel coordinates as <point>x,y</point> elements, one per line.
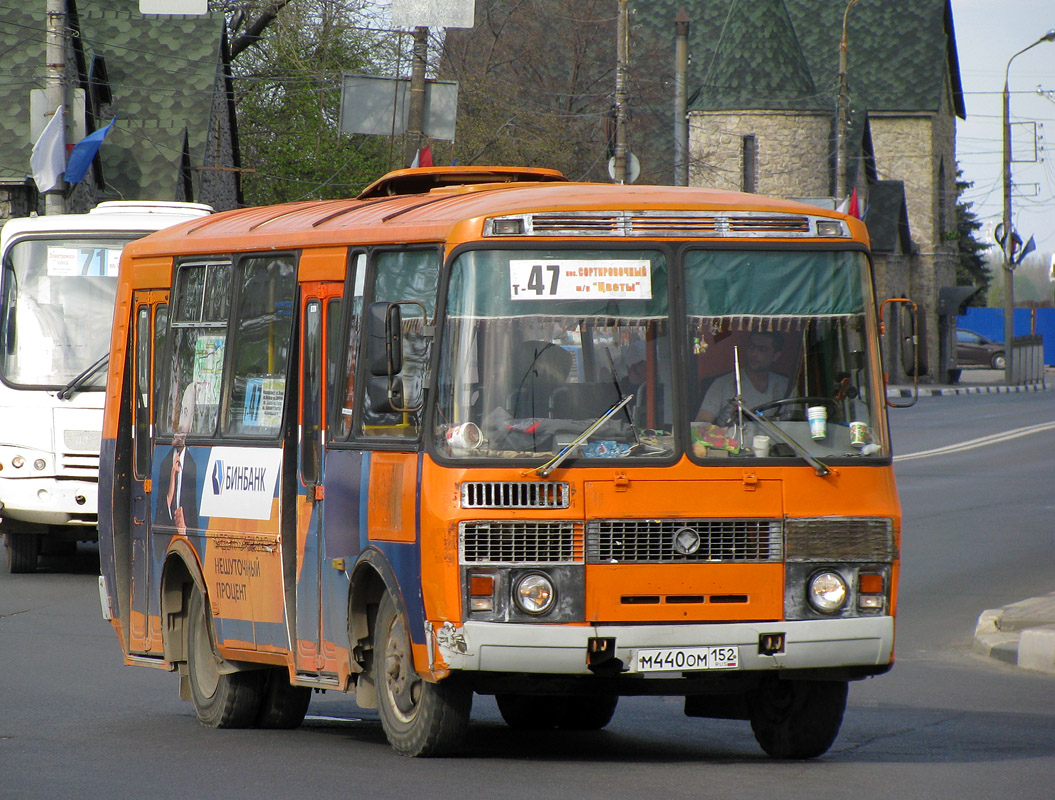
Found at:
<point>425,157</point>
<point>854,211</point>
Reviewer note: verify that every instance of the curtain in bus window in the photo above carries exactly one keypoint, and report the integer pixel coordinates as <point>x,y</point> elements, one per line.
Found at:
<point>773,284</point>
<point>266,287</point>
<point>403,277</point>
<point>199,343</point>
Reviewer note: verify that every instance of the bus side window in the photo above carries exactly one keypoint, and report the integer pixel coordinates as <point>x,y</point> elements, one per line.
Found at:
<point>345,399</point>
<point>333,347</point>
<point>406,276</point>
<point>200,308</point>
<point>265,290</point>
<point>143,345</point>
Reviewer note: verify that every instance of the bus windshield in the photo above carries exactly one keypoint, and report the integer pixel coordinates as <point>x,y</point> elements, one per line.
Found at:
<point>57,307</point>
<point>539,344</point>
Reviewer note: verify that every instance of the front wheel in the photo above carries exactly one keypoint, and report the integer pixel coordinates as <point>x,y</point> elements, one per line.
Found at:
<point>795,718</point>
<point>999,361</point>
<point>221,700</point>
<point>419,718</point>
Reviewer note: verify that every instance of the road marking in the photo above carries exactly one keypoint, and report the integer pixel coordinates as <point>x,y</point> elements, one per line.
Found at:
<point>982,441</point>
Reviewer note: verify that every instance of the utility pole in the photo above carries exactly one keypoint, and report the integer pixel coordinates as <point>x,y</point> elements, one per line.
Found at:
<point>622,31</point>
<point>416,110</point>
<point>842,115</point>
<point>681,120</point>
<point>55,91</point>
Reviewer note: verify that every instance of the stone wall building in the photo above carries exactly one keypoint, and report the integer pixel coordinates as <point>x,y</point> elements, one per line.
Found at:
<point>762,109</point>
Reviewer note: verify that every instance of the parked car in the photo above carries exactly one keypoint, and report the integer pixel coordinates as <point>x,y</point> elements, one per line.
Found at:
<point>973,349</point>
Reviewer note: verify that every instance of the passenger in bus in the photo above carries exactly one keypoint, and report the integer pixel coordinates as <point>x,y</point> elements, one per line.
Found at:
<point>178,503</point>
<point>759,384</point>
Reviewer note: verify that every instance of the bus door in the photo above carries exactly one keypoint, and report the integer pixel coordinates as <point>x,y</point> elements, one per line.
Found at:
<point>151,319</point>
<point>320,315</point>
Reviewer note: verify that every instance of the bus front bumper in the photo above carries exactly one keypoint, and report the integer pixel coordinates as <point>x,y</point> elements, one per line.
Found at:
<point>46,501</point>
<point>563,649</point>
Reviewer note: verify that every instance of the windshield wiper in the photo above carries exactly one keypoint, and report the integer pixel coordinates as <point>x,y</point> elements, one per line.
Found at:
<point>558,459</point>
<point>66,392</point>
<point>772,429</point>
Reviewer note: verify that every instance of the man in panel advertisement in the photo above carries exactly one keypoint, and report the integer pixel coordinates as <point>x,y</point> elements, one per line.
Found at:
<point>178,501</point>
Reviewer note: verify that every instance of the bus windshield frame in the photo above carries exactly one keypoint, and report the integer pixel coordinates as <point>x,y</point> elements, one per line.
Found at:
<point>539,343</point>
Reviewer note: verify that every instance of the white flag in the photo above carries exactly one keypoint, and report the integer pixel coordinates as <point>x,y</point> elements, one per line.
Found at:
<point>48,161</point>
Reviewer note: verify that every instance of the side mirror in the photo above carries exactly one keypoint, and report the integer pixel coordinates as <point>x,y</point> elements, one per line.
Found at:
<point>385,395</point>
<point>913,328</point>
<point>384,339</point>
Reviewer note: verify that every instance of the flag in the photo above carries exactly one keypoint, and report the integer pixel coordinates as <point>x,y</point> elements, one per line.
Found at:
<point>1031,245</point>
<point>83,153</point>
<point>49,153</point>
<point>849,205</point>
<point>422,158</point>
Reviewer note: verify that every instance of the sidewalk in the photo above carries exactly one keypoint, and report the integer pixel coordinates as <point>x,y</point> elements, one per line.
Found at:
<point>1022,633</point>
<point>972,381</point>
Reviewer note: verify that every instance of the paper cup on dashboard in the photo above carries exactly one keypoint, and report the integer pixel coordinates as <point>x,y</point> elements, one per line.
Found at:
<point>858,433</point>
<point>818,417</point>
<point>760,444</point>
<point>466,436</point>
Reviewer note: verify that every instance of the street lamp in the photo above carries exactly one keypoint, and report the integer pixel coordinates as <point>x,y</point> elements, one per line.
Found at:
<point>1009,275</point>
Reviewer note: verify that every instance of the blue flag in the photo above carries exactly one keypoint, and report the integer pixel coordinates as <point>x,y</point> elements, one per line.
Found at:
<point>83,152</point>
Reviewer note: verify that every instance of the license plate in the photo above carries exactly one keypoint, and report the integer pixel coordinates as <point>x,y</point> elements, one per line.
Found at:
<point>686,659</point>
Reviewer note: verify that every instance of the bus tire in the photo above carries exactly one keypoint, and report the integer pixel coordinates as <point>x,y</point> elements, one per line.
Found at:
<point>419,718</point>
<point>22,552</point>
<point>530,712</point>
<point>221,700</point>
<point>580,712</point>
<point>283,705</point>
<point>796,718</point>
<point>585,712</point>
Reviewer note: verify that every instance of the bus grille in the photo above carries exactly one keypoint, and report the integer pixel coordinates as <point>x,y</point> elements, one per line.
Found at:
<point>841,539</point>
<point>655,541</point>
<point>79,465</point>
<point>666,224</point>
<point>516,542</point>
<point>514,494</point>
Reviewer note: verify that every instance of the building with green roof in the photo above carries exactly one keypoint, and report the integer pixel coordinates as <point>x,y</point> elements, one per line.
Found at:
<point>164,77</point>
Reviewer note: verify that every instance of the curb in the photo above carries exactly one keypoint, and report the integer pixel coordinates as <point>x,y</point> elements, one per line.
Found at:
<point>949,391</point>
<point>1022,634</point>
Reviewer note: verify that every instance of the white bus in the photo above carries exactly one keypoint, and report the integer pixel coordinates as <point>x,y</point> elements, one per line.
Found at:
<point>57,293</point>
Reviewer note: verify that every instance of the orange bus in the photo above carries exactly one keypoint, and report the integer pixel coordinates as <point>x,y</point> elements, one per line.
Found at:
<point>484,430</point>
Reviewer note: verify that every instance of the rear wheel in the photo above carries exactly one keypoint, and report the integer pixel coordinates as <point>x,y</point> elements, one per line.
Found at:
<point>22,552</point>
<point>419,718</point>
<point>221,700</point>
<point>283,705</point>
<point>999,361</point>
<point>797,719</point>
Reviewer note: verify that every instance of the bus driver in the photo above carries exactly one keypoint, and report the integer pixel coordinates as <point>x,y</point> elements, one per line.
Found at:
<point>759,384</point>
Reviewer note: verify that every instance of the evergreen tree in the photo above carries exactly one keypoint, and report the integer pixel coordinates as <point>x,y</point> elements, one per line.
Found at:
<point>971,269</point>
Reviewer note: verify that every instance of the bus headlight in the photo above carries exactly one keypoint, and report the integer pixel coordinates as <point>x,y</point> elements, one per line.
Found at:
<point>18,462</point>
<point>534,594</point>
<point>39,464</point>
<point>827,592</point>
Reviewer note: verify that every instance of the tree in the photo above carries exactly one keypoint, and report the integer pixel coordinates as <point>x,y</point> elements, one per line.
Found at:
<point>288,89</point>
<point>971,268</point>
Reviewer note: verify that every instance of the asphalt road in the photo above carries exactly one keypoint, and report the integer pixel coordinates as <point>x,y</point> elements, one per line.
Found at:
<point>944,723</point>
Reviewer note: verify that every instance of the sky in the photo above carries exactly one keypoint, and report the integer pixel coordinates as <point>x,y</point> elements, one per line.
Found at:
<point>988,33</point>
